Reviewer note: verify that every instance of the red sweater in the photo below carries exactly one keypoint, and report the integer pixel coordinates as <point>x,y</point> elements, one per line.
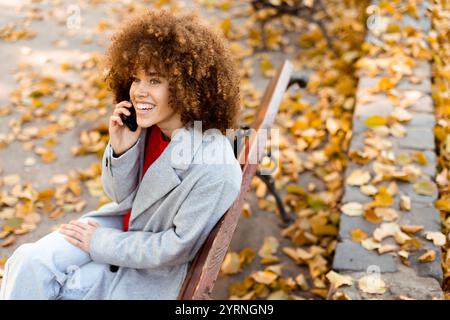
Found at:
<point>154,146</point>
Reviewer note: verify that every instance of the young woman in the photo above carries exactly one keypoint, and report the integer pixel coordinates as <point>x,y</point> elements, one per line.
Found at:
<point>171,180</point>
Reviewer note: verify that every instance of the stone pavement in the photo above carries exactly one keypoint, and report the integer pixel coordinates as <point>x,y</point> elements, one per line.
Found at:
<point>419,280</point>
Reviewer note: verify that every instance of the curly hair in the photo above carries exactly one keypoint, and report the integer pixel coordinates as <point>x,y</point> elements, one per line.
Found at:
<point>202,74</point>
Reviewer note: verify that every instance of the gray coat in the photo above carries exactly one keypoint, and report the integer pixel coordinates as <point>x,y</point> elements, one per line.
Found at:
<point>179,200</point>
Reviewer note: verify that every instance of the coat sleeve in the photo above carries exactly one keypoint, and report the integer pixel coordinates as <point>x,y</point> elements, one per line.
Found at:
<point>196,217</point>
<point>120,175</point>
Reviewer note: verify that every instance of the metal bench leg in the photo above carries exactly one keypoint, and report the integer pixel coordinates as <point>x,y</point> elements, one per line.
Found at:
<point>270,183</point>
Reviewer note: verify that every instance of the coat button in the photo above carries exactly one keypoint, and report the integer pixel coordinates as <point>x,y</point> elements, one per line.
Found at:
<point>107,161</point>
<point>113,268</point>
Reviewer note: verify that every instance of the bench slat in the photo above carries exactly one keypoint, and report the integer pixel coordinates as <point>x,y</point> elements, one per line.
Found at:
<point>205,267</point>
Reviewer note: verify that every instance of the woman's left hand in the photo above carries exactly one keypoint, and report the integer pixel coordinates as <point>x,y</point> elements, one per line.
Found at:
<point>79,233</point>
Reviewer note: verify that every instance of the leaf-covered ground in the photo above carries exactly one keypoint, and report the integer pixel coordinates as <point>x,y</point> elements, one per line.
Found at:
<point>440,45</point>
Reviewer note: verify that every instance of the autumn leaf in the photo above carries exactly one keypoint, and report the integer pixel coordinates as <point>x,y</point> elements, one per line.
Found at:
<point>231,264</point>
<point>438,238</point>
<point>352,209</point>
<point>358,177</point>
<point>425,188</point>
<point>358,235</point>
<point>372,284</point>
<point>338,280</point>
<point>428,256</point>
<point>375,121</point>
<point>264,277</point>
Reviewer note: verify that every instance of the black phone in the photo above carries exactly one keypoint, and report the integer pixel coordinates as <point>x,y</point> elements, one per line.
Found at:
<point>130,121</point>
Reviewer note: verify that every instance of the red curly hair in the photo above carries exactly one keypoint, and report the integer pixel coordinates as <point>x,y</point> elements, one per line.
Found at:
<point>202,73</point>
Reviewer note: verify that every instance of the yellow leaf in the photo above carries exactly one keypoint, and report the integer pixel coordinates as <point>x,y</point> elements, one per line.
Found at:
<point>358,235</point>
<point>425,188</point>
<point>372,284</point>
<point>246,256</point>
<point>358,177</point>
<point>443,204</point>
<point>338,280</point>
<point>295,190</point>
<point>438,238</point>
<point>386,214</point>
<point>264,277</point>
<point>269,247</point>
<point>352,209</point>
<point>383,198</point>
<point>428,256</point>
<point>370,244</point>
<point>225,25</point>
<point>278,295</point>
<point>231,263</point>
<point>375,121</point>
<point>420,158</point>
<point>385,84</point>
<point>411,229</point>
<point>405,203</point>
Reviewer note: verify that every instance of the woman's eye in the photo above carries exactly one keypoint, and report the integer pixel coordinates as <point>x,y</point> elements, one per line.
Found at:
<point>154,81</point>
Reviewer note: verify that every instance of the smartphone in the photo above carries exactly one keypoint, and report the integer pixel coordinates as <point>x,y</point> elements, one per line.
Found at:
<point>130,121</point>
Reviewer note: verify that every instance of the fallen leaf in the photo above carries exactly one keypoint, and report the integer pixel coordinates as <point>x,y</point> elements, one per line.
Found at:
<point>425,188</point>
<point>386,214</point>
<point>358,235</point>
<point>358,177</point>
<point>375,121</point>
<point>352,209</point>
<point>337,280</point>
<point>264,277</point>
<point>231,264</point>
<point>372,284</point>
<point>438,238</point>
<point>428,256</point>
<point>411,229</point>
<point>370,244</point>
<point>10,240</point>
<point>405,203</point>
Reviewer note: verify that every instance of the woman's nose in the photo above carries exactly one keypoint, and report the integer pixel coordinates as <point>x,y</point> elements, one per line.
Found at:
<point>141,91</point>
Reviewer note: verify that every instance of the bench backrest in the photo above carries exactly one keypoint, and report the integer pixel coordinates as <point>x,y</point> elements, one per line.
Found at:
<point>205,267</point>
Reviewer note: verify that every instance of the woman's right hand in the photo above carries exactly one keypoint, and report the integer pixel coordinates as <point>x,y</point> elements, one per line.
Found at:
<point>121,138</point>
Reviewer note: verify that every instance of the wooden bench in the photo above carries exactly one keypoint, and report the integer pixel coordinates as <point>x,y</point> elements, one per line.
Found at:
<point>205,267</point>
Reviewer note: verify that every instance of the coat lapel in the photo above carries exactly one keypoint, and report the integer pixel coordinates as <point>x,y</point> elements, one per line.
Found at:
<point>160,178</point>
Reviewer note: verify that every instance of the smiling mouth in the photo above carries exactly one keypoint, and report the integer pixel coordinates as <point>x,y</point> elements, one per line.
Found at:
<point>145,106</point>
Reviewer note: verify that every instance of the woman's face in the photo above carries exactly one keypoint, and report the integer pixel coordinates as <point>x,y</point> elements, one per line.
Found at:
<point>149,94</point>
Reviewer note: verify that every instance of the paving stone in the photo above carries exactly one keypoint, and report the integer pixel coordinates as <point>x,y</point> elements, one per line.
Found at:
<point>431,269</point>
<point>417,138</point>
<point>420,119</point>
<point>429,169</point>
<point>423,104</point>
<point>405,282</point>
<point>407,189</point>
<point>424,86</point>
<point>381,107</point>
<point>352,256</point>
<point>421,214</point>
<point>420,280</point>
<point>353,193</point>
<point>422,69</point>
<point>348,223</point>
<point>366,82</point>
<point>423,23</point>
